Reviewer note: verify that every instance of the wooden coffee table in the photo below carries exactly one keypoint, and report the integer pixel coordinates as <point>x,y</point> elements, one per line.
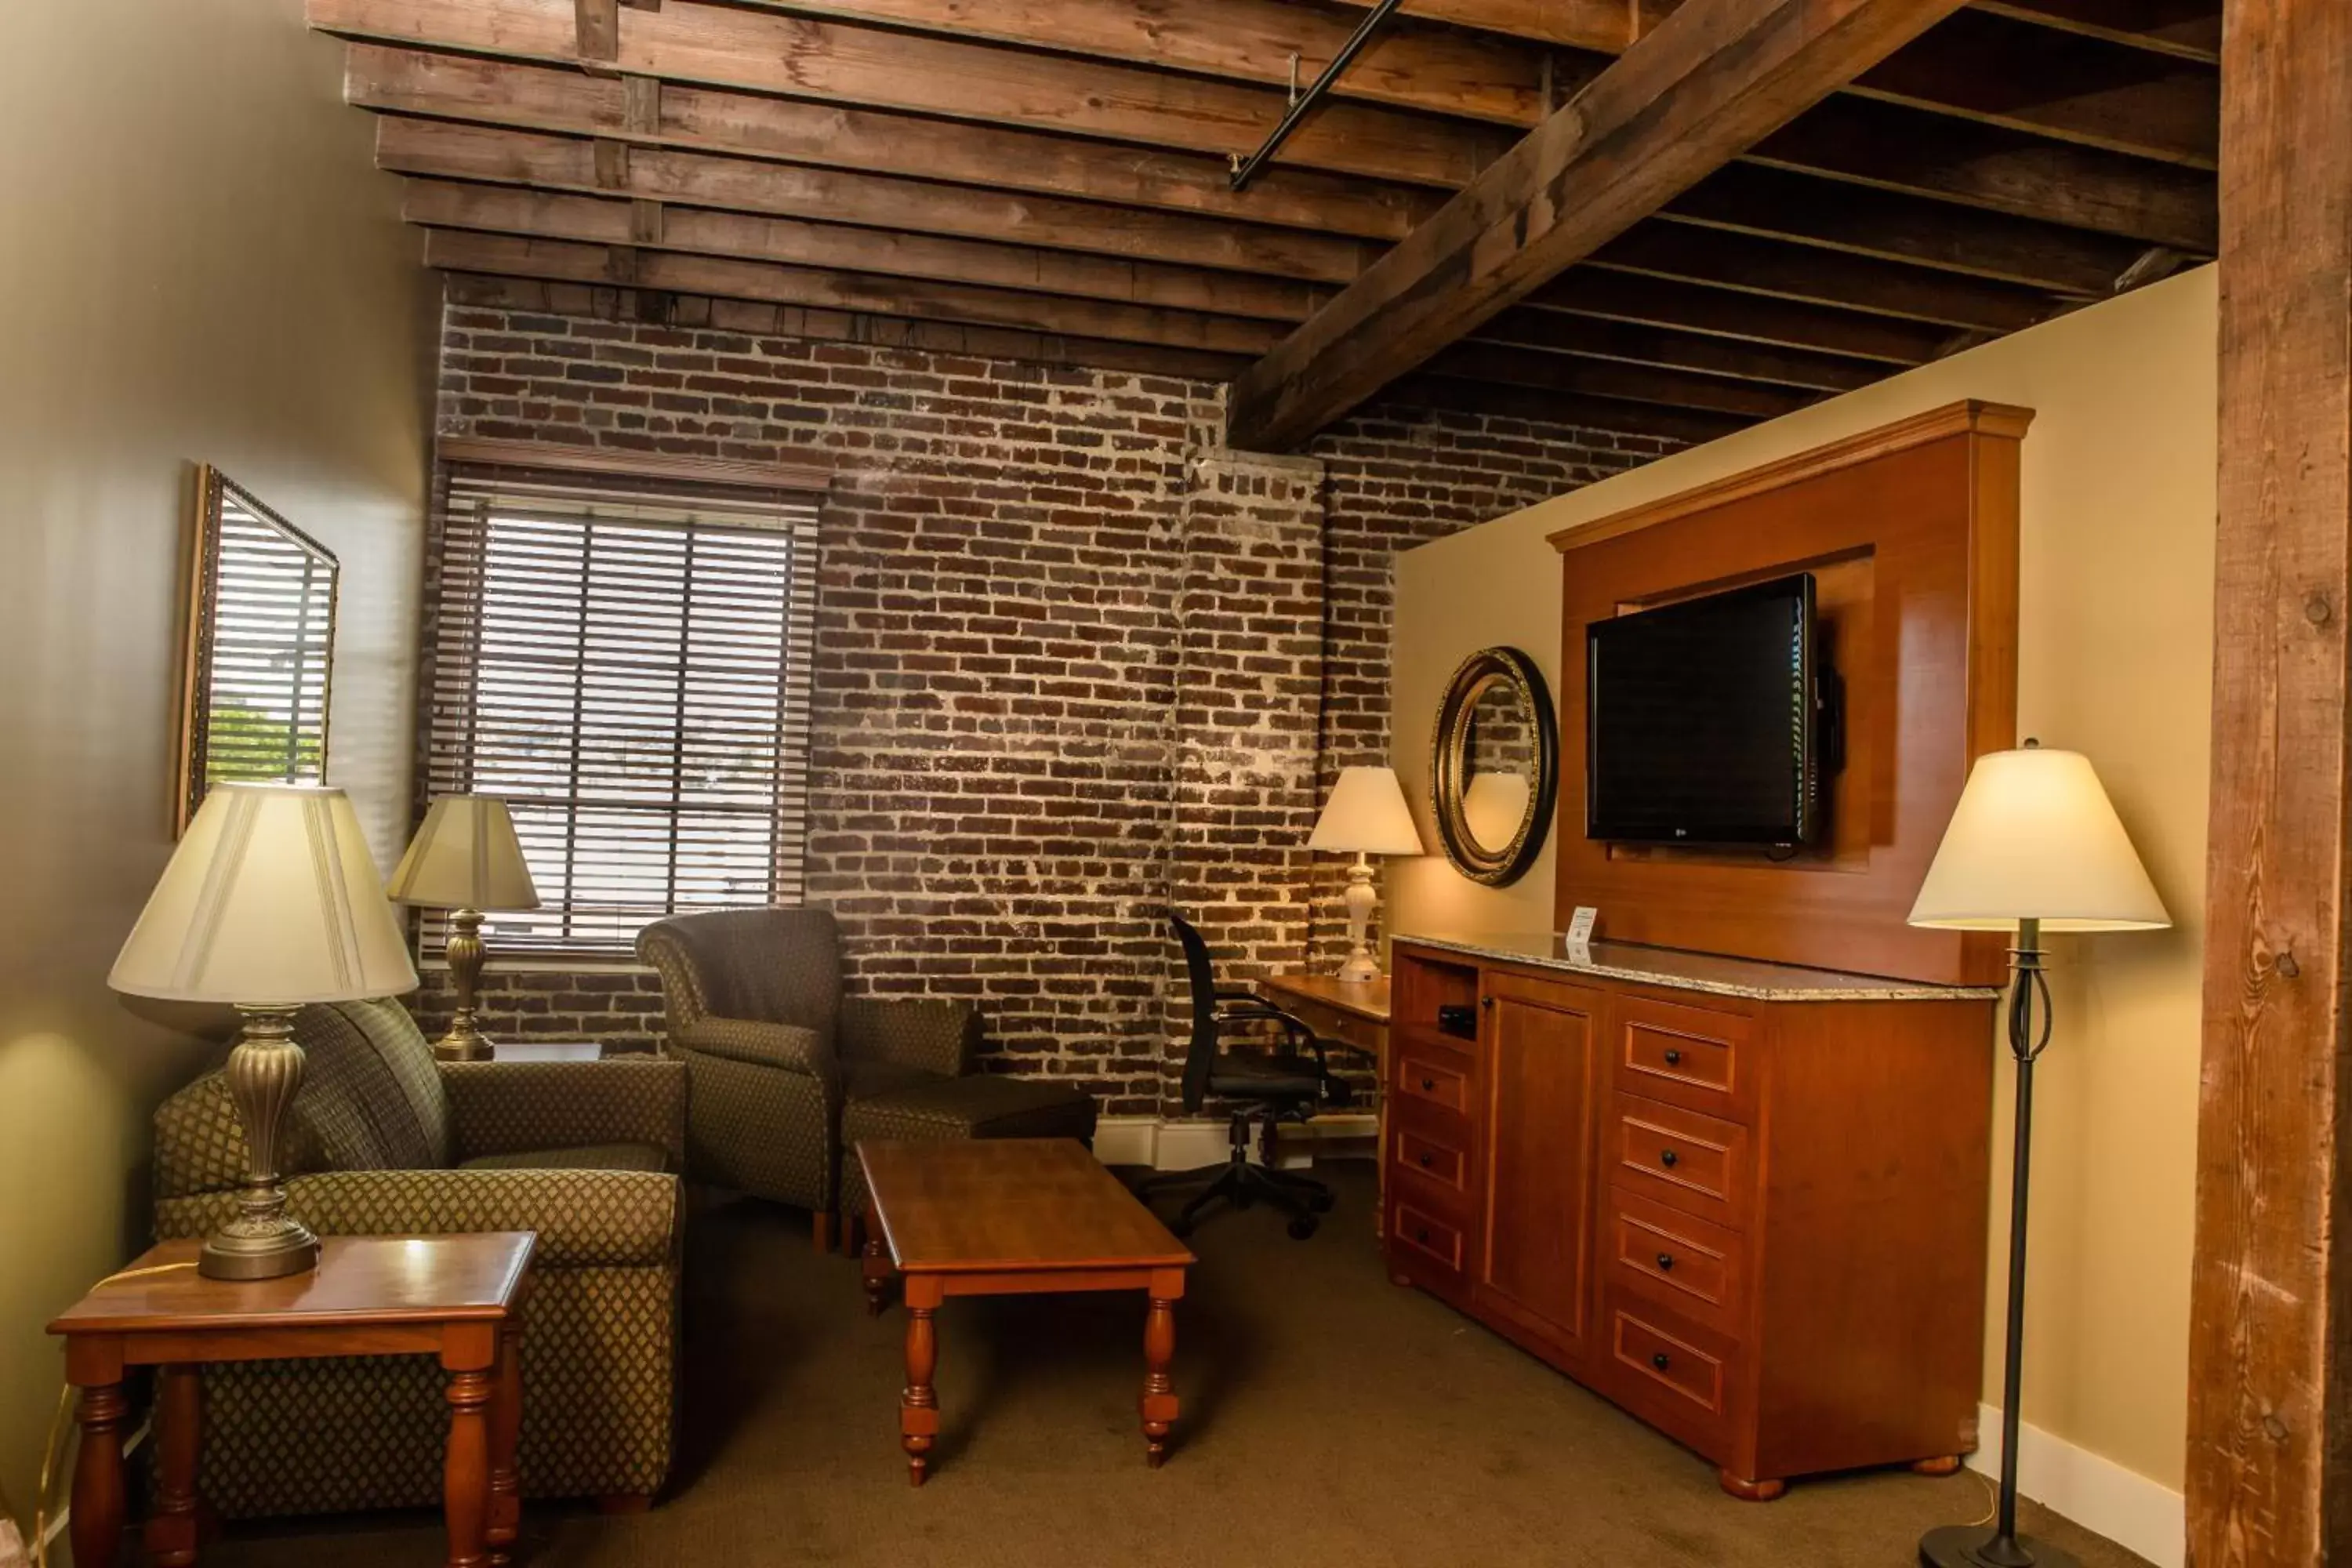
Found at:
<point>454,1296</point>
<point>1012,1217</point>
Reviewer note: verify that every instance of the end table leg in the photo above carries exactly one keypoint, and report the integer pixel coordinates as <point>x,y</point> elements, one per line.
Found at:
<point>1158,1404</point>
<point>97,1490</point>
<point>919,1403</point>
<point>878,1276</point>
<point>466,1472</point>
<point>172,1529</point>
<point>506,1438</point>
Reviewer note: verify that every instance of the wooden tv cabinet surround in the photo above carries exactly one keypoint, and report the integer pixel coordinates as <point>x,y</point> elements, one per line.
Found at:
<point>1744,1202</point>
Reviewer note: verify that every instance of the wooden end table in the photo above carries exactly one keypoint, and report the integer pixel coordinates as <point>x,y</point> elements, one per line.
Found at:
<point>1010,1216</point>
<point>455,1297</point>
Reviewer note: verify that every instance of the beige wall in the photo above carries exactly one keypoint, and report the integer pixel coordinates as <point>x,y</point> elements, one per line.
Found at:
<point>199,264</point>
<point>2115,653</point>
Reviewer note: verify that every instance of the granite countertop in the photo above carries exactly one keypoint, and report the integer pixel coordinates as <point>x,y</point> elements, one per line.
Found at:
<point>1701,972</point>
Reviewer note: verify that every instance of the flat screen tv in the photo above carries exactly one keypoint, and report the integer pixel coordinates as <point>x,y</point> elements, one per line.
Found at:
<point>1705,720</point>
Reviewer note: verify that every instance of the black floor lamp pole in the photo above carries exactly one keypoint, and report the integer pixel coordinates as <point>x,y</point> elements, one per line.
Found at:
<point>1969,1545</point>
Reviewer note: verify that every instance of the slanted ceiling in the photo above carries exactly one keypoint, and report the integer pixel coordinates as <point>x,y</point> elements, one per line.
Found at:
<point>1061,167</point>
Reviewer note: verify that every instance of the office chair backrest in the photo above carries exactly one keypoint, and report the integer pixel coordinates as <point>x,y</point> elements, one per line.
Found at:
<point>1200,1054</point>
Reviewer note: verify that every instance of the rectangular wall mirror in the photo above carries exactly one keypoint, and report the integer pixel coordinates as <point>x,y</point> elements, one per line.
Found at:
<point>261,647</point>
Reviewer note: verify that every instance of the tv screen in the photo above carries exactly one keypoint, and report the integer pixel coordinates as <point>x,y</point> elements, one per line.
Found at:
<point>1700,720</point>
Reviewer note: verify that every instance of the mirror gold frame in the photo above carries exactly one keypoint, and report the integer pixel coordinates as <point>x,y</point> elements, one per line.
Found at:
<point>1450,769</point>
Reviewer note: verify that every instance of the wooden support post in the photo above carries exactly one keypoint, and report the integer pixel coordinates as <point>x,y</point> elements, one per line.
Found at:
<point>2270,1403</point>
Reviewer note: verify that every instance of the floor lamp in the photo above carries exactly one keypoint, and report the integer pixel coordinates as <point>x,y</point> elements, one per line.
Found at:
<point>2033,846</point>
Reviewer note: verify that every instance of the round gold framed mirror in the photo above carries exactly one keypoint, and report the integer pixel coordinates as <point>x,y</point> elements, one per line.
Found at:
<point>1495,765</point>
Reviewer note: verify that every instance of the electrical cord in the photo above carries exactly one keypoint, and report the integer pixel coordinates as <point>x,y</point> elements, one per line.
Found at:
<point>53,1452</point>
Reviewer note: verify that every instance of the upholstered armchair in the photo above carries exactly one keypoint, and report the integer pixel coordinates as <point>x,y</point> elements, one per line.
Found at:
<point>773,1051</point>
<point>383,1140</point>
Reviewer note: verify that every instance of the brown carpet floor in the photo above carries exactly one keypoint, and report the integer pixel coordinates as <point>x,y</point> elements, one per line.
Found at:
<point>1330,1418</point>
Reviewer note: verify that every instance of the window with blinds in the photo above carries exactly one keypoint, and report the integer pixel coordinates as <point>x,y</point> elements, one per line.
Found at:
<point>261,632</point>
<point>627,665</point>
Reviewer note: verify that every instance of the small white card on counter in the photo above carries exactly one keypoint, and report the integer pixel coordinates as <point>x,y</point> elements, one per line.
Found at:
<point>1580,931</point>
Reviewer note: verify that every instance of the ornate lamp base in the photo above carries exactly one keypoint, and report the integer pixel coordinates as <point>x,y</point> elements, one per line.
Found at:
<point>264,1073</point>
<point>1361,967</point>
<point>464,1042</point>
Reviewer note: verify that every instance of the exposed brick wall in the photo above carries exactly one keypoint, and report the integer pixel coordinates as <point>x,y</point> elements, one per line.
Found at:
<point>1071,662</point>
<point>621,1009</point>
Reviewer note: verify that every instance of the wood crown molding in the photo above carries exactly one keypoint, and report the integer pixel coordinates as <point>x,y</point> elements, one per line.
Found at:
<point>2000,421</point>
<point>634,465</point>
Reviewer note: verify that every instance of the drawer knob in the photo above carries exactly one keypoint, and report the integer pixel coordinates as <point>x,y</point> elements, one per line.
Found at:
<point>1669,1159</point>
<point>1674,1057</point>
<point>1661,1360</point>
<point>1427,1158</point>
<point>1486,1001</point>
<point>1665,1262</point>
<point>1428,1084</point>
<point>1422,1236</point>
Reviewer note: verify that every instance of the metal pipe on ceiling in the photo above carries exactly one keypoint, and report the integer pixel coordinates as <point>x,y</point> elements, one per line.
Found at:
<point>1303,103</point>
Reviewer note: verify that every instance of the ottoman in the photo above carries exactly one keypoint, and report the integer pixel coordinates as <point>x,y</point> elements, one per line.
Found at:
<point>983,1105</point>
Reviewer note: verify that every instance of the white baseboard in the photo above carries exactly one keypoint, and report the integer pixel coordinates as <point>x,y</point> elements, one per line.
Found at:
<point>1189,1145</point>
<point>2098,1494</point>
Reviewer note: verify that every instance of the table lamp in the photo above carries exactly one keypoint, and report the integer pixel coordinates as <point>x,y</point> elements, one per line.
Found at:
<point>2033,846</point>
<point>464,859</point>
<point>1366,815</point>
<point>270,901</point>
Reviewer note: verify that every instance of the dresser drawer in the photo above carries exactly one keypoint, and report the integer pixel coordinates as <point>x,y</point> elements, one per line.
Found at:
<point>1425,1150</point>
<point>1667,1371</point>
<point>1430,1076</point>
<point>1699,1164</point>
<point>1676,1260</point>
<point>1425,1236</point>
<point>1690,1057</point>
<point>1330,1023</point>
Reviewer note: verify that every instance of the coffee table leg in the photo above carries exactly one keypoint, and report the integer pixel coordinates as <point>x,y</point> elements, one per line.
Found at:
<point>878,1276</point>
<point>919,1403</point>
<point>171,1529</point>
<point>466,1471</point>
<point>97,1490</point>
<point>506,1438</point>
<point>1160,1404</point>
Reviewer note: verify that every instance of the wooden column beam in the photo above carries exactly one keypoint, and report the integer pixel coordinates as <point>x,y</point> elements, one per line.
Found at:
<point>2270,1350</point>
<point>1713,78</point>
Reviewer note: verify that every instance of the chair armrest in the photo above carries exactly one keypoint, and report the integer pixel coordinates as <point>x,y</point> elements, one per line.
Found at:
<point>584,1218</point>
<point>514,1107</point>
<point>788,1047</point>
<point>935,1036</point>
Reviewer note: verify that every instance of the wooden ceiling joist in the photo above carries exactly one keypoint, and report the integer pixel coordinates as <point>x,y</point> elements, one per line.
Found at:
<point>622,265</point>
<point>451,151</point>
<point>543,214</point>
<point>1710,81</point>
<point>1679,425</point>
<point>1783,271</point>
<point>1641,301</point>
<point>1506,365</point>
<point>1632,344</point>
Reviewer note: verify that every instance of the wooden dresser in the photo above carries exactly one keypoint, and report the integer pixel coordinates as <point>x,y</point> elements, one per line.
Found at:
<point>1744,1202</point>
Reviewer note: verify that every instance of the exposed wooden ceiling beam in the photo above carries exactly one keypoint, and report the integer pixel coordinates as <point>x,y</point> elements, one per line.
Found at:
<point>669,271</point>
<point>1509,366</point>
<point>2189,29</point>
<point>1892,227</point>
<point>614,303</point>
<point>765,51</point>
<point>1593,338</point>
<point>446,150</point>
<point>1681,427</point>
<point>1785,271</point>
<point>1711,80</point>
<point>1599,294</point>
<point>501,209</point>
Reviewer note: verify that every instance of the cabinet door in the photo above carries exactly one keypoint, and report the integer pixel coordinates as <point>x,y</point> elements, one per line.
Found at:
<point>1539,1105</point>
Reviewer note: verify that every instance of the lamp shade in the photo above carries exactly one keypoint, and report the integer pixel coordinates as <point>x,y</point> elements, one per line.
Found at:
<point>1494,807</point>
<point>1367,814</point>
<point>2035,837</point>
<point>465,857</point>
<point>271,900</point>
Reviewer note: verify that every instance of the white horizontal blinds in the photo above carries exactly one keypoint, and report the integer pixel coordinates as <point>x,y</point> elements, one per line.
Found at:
<point>271,624</point>
<point>629,669</point>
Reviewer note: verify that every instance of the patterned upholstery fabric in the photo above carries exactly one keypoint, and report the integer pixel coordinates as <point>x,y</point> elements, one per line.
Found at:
<point>508,1107</point>
<point>765,1105</point>
<point>986,1106</point>
<point>600,1344</point>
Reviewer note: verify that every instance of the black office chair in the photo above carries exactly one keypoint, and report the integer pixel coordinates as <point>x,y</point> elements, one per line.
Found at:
<point>1267,1088</point>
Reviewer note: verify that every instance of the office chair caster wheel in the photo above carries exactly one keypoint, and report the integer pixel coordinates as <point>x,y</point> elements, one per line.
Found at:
<point>1300,1229</point>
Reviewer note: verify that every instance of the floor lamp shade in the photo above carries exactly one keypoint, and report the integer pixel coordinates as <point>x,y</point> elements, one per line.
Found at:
<point>271,902</point>
<point>2033,844</point>
<point>465,857</point>
<point>2035,838</point>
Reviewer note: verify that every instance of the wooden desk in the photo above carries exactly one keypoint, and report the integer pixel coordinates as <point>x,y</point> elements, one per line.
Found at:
<point>456,1296</point>
<point>1355,1013</point>
<point>1009,1216</point>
